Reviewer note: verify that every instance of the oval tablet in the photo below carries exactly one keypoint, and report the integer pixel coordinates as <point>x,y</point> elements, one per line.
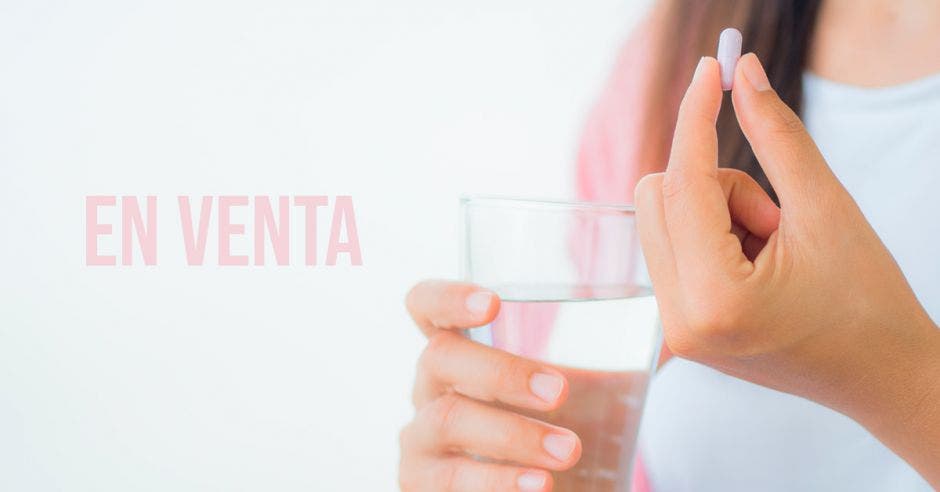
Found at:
<point>729,50</point>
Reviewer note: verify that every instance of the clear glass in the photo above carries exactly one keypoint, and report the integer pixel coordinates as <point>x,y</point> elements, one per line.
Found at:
<point>575,294</point>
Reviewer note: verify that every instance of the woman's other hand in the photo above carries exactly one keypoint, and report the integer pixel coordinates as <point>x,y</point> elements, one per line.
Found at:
<point>466,435</point>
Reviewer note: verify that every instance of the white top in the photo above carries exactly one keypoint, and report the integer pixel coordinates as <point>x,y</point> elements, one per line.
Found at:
<point>706,431</point>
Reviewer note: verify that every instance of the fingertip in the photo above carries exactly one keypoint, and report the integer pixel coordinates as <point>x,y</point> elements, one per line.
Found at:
<point>435,304</point>
<point>711,78</point>
<point>576,454</point>
<point>534,480</point>
<point>549,482</point>
<point>712,63</point>
<point>751,73</point>
<point>648,190</point>
<point>745,59</point>
<point>702,99</point>
<point>707,74</point>
<point>746,96</point>
<point>564,446</point>
<point>578,449</point>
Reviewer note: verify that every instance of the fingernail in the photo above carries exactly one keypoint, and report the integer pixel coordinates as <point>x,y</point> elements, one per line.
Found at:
<point>729,50</point>
<point>560,446</point>
<point>479,303</point>
<point>546,386</point>
<point>754,72</point>
<point>698,68</point>
<point>531,481</point>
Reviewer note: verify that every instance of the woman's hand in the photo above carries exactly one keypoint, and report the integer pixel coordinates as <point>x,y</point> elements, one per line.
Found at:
<point>465,394</point>
<point>805,298</point>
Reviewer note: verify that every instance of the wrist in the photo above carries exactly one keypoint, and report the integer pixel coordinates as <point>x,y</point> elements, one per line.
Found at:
<point>897,395</point>
<point>893,371</point>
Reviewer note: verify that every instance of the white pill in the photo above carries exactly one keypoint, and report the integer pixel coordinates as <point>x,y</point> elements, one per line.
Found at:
<point>729,50</point>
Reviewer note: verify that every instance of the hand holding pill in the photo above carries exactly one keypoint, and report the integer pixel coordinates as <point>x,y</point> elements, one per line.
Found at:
<point>803,298</point>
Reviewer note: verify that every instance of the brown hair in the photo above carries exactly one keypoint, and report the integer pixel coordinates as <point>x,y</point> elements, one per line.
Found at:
<point>779,32</point>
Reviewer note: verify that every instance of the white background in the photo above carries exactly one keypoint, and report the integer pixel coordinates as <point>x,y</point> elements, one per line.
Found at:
<point>256,378</point>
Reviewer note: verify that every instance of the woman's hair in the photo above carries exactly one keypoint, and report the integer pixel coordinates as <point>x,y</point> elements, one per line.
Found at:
<point>667,47</point>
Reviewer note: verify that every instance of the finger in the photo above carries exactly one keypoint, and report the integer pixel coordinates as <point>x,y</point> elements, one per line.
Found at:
<point>694,151</point>
<point>785,150</point>
<point>754,216</point>
<point>696,210</point>
<point>657,249</point>
<point>438,304</point>
<point>748,203</point>
<point>452,362</point>
<point>751,244</point>
<point>654,236</point>
<point>454,423</point>
<point>459,474</point>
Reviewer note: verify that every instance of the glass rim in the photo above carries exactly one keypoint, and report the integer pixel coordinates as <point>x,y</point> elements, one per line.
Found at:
<point>544,203</point>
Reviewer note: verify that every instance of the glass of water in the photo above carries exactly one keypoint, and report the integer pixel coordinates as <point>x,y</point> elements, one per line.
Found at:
<point>575,294</point>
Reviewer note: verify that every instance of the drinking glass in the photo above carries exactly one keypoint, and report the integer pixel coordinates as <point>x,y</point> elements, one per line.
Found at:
<point>575,295</point>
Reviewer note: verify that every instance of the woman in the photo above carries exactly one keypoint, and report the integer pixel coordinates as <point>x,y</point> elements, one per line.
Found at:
<point>777,283</point>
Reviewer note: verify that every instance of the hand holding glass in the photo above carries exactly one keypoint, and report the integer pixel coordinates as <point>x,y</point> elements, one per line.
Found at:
<point>574,295</point>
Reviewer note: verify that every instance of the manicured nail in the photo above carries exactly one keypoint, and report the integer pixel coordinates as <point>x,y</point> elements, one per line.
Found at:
<point>479,303</point>
<point>560,446</point>
<point>754,72</point>
<point>546,386</point>
<point>531,481</point>
<point>729,50</point>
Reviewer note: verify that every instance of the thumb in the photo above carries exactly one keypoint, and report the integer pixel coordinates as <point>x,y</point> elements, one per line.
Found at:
<point>787,154</point>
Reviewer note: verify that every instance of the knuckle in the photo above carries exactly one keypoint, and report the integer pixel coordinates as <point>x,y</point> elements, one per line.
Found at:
<point>783,121</point>
<point>789,122</point>
<point>417,291</point>
<point>406,480</point>
<point>443,415</point>
<point>406,438</point>
<point>675,183</point>
<point>732,174</point>
<point>512,373</point>
<point>426,362</point>
<point>509,435</point>
<point>437,346</point>
<point>413,304</point>
<point>672,185</point>
<point>419,383</point>
<point>442,341</point>
<point>718,318</point>
<point>422,292</point>
<point>411,296</point>
<point>707,322</point>
<point>647,186</point>
<point>492,480</point>
<point>707,313</point>
<point>445,476</point>
<point>681,344</point>
<point>426,359</point>
<point>409,472</point>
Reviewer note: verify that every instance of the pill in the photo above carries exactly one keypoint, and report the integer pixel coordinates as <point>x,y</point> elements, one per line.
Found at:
<point>729,50</point>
